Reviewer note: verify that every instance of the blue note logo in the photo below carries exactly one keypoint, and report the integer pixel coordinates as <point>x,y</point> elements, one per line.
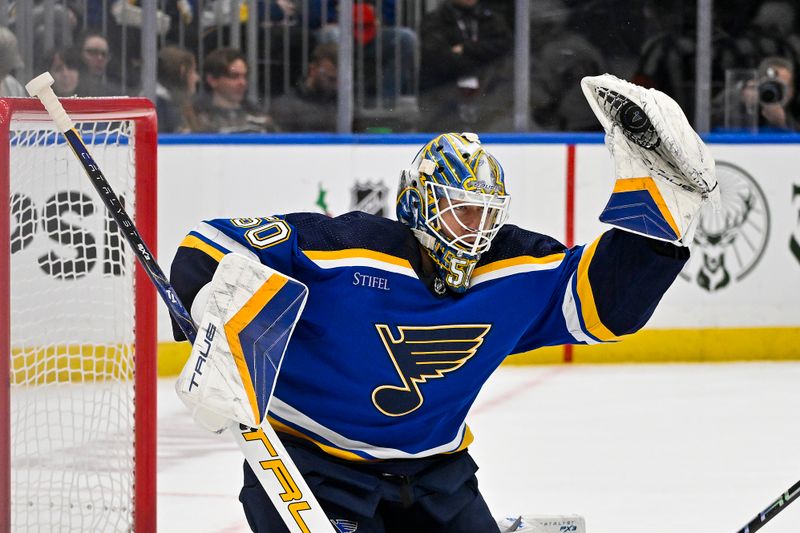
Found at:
<point>344,526</point>
<point>422,353</point>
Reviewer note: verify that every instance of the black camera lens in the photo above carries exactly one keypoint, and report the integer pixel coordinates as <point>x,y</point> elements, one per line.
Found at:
<point>770,92</point>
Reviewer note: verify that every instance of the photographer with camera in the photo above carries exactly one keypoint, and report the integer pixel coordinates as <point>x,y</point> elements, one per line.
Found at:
<point>764,102</point>
<point>775,93</point>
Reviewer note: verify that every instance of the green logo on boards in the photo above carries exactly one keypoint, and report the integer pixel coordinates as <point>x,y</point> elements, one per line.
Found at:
<point>730,242</point>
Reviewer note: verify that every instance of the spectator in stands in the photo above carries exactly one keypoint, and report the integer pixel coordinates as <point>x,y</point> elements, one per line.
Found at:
<point>465,70</point>
<point>9,61</point>
<point>560,57</point>
<point>374,32</point>
<point>66,19</point>
<point>744,33</point>
<point>770,97</point>
<point>95,55</point>
<point>177,84</point>
<point>65,67</point>
<point>311,105</point>
<point>225,109</point>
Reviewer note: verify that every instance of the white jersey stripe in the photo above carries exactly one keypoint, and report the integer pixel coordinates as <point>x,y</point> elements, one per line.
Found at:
<point>569,308</point>
<point>364,262</point>
<point>213,234</point>
<point>516,269</point>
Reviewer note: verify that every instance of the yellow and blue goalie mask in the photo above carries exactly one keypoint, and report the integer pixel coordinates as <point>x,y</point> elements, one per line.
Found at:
<point>454,200</point>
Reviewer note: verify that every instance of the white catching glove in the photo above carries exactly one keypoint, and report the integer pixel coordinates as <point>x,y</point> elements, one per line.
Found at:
<point>664,171</point>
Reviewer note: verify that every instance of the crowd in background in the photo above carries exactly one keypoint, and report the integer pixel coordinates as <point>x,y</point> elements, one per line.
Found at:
<point>452,69</point>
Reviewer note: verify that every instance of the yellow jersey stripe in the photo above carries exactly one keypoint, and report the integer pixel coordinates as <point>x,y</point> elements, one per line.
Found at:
<point>279,426</point>
<point>330,450</point>
<point>356,253</point>
<point>193,242</point>
<point>241,320</point>
<point>465,441</point>
<point>517,261</point>
<point>591,318</point>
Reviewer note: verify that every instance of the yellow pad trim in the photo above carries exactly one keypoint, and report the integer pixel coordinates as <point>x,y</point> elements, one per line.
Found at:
<point>241,320</point>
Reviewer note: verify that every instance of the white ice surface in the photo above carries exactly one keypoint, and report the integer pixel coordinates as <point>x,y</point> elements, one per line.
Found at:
<point>632,448</point>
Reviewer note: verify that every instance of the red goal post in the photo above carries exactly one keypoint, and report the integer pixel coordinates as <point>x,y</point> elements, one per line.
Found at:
<point>77,321</point>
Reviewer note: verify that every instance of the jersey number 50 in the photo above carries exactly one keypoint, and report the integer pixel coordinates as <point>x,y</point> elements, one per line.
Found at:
<point>263,232</point>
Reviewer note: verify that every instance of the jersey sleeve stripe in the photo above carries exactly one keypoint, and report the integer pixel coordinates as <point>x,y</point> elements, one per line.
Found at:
<point>360,257</point>
<point>198,243</point>
<point>466,439</point>
<point>583,288</point>
<point>571,310</point>
<point>211,234</point>
<point>515,265</point>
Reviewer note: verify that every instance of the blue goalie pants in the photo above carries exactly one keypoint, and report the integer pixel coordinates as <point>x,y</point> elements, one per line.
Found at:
<point>435,494</point>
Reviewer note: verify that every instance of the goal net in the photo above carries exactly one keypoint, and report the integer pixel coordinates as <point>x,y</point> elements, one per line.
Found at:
<point>78,423</point>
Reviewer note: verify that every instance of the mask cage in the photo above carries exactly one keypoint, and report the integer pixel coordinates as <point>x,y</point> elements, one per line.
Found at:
<point>464,220</point>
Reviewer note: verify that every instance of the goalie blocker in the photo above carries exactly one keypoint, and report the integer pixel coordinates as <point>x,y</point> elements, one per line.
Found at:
<point>246,315</point>
<point>664,171</point>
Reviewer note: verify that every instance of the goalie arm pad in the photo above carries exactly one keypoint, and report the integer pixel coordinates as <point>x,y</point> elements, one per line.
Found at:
<point>248,315</point>
<point>664,172</point>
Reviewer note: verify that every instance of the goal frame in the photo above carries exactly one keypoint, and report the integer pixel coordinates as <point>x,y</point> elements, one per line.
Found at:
<point>142,112</point>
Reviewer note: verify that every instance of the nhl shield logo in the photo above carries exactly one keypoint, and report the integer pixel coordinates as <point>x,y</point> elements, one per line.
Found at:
<point>729,243</point>
<point>370,197</point>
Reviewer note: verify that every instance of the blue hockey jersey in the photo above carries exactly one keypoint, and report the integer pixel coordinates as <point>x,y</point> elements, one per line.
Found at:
<point>380,366</point>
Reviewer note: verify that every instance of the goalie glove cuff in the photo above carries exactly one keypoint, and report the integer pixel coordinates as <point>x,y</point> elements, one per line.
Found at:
<point>650,208</point>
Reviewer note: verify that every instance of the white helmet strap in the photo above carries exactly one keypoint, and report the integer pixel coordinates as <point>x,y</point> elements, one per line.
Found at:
<point>426,166</point>
<point>425,239</point>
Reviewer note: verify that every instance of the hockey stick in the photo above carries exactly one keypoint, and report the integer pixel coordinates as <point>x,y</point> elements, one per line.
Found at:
<point>774,508</point>
<point>261,447</point>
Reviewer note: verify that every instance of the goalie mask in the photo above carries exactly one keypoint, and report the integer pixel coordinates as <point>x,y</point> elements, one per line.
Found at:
<point>454,200</point>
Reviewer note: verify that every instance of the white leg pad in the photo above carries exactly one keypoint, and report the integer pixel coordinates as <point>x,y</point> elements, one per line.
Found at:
<point>543,524</point>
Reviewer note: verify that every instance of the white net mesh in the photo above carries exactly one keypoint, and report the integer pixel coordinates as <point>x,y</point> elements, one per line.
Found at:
<point>72,333</point>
